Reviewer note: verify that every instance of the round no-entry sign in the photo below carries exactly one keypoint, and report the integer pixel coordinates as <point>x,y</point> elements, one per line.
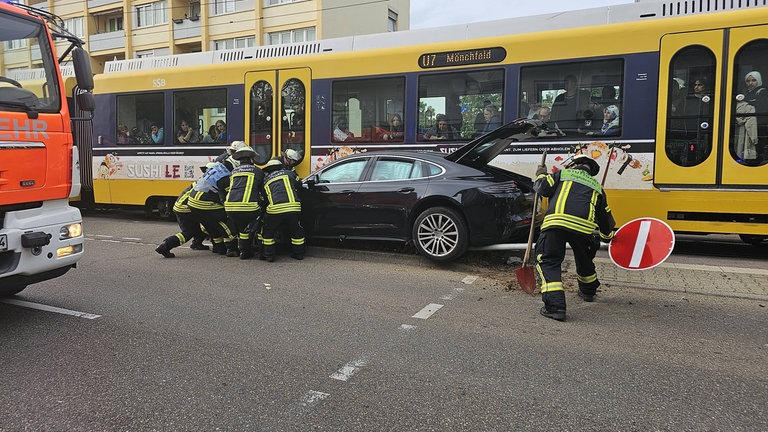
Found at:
<point>641,244</point>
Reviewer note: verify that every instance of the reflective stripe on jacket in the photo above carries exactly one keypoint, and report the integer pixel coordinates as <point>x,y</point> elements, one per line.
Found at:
<point>181,206</point>
<point>576,202</point>
<point>281,190</point>
<point>244,190</point>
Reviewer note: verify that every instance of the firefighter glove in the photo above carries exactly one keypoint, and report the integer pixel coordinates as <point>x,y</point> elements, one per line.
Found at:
<point>541,170</point>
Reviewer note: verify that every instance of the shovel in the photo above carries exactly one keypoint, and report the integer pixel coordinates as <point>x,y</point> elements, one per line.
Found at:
<point>525,276</point>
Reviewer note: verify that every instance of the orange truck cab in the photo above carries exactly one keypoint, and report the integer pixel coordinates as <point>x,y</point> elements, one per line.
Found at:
<point>41,235</point>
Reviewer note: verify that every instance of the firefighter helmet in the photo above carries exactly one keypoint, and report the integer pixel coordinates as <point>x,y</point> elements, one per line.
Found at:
<point>583,159</point>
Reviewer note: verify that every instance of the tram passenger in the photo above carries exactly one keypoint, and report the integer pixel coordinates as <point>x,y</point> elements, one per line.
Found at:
<point>480,118</point>
<point>752,127</point>
<point>211,136</point>
<point>123,135</point>
<point>297,117</point>
<point>187,134</point>
<point>491,117</point>
<point>341,132</point>
<point>611,123</point>
<point>552,130</point>
<point>156,133</point>
<point>395,131</point>
<point>221,132</point>
<point>262,122</point>
<point>139,137</point>
<point>441,130</point>
<point>577,207</point>
<point>565,109</point>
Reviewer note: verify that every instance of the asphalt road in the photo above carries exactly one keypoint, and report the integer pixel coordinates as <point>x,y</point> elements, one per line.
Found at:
<point>362,341</point>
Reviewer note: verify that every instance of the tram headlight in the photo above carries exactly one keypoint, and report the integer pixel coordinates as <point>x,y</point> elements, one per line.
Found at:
<point>71,231</point>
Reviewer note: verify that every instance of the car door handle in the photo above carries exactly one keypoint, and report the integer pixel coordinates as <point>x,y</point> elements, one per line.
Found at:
<point>347,191</point>
<point>406,190</point>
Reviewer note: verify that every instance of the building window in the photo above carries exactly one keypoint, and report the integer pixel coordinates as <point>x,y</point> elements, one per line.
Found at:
<point>241,42</point>
<point>151,14</point>
<point>75,26</point>
<point>114,24</point>
<point>145,53</point>
<point>291,36</point>
<point>392,22</point>
<point>223,6</point>
<point>194,9</point>
<point>16,44</point>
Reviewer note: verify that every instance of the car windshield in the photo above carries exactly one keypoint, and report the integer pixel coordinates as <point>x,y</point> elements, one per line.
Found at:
<point>28,72</point>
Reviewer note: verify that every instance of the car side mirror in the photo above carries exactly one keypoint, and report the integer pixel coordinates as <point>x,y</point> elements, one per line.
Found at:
<point>312,180</point>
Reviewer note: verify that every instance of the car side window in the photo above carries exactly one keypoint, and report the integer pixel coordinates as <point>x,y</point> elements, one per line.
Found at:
<point>388,169</point>
<point>350,171</point>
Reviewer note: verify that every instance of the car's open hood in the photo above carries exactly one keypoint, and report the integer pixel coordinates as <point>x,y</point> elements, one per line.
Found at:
<point>480,152</point>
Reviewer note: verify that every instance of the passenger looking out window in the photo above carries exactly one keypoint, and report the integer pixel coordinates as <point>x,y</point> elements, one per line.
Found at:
<point>156,133</point>
<point>395,131</point>
<point>491,117</point>
<point>187,133</point>
<point>751,111</point>
<point>441,130</point>
<point>611,123</point>
<point>123,135</point>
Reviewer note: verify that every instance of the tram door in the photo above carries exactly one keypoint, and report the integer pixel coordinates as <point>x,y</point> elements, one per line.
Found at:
<point>712,130</point>
<point>276,114</point>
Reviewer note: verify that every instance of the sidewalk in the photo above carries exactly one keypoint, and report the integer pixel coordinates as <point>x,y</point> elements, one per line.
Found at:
<point>738,282</point>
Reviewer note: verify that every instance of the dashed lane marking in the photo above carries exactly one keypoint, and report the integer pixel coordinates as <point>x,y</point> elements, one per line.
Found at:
<point>312,398</point>
<point>47,308</point>
<point>349,369</point>
<point>469,280</point>
<point>455,293</point>
<point>427,311</point>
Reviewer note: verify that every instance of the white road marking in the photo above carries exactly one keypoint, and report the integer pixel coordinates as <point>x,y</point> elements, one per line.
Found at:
<point>407,328</point>
<point>46,308</point>
<point>102,236</point>
<point>642,237</point>
<point>313,397</point>
<point>452,295</point>
<point>132,239</point>
<point>349,369</point>
<point>267,286</point>
<point>428,311</point>
<point>469,279</point>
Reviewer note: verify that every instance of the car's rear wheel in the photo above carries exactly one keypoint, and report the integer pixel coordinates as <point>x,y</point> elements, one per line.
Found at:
<point>440,234</point>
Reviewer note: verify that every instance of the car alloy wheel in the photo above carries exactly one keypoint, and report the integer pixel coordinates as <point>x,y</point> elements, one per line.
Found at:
<point>440,234</point>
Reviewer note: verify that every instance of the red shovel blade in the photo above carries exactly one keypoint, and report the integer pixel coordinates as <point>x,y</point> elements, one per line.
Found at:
<point>526,278</point>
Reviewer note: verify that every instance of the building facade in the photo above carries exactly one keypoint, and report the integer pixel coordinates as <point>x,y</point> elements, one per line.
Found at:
<point>125,29</point>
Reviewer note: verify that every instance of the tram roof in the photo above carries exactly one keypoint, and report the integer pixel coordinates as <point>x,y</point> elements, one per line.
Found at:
<point>623,13</point>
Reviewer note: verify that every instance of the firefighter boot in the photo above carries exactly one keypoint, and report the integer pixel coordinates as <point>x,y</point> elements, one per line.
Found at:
<point>164,250</point>
<point>219,248</point>
<point>232,250</point>
<point>197,244</point>
<point>246,249</point>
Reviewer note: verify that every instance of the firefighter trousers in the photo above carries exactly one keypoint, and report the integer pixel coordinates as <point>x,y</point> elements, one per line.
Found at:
<point>550,253</point>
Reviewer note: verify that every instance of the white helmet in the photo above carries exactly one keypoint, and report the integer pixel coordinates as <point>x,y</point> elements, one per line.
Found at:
<point>244,152</point>
<point>292,155</point>
<point>235,146</point>
<point>273,162</point>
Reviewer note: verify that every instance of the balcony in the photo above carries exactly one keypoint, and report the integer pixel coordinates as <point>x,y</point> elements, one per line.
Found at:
<point>97,3</point>
<point>187,28</point>
<point>106,41</point>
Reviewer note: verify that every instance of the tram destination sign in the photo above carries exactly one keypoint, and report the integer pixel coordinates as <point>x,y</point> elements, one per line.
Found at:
<point>464,57</point>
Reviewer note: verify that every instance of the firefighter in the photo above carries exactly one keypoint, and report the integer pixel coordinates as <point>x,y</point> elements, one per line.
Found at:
<point>281,186</point>
<point>190,228</point>
<point>289,158</point>
<point>243,199</point>
<point>577,207</point>
<point>206,203</point>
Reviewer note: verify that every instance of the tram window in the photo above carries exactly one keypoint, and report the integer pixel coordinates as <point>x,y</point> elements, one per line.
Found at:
<point>575,100</point>
<point>452,106</point>
<point>136,113</point>
<point>261,114</point>
<point>293,106</point>
<point>689,106</point>
<point>362,109</point>
<point>749,136</point>
<point>200,116</point>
